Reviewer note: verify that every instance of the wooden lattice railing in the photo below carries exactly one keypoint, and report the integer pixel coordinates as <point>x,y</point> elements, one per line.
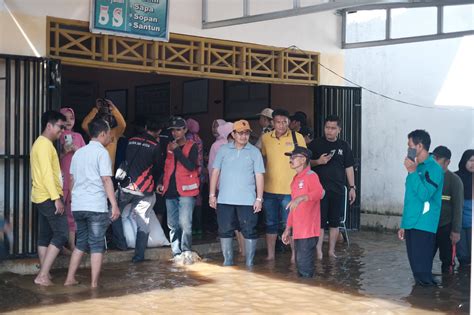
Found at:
<point>72,43</point>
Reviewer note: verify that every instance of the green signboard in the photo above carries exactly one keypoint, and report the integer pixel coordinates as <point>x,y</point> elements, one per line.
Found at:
<point>146,19</point>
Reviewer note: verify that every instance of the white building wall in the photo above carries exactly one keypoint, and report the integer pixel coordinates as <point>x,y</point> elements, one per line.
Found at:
<point>317,32</point>
<point>436,74</point>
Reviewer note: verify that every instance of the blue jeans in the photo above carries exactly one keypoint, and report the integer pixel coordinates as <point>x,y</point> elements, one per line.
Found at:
<point>463,247</point>
<point>305,249</point>
<point>275,213</point>
<point>91,228</point>
<point>180,222</point>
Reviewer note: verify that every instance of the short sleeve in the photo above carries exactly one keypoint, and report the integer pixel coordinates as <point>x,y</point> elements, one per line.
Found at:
<point>72,167</point>
<point>348,157</point>
<point>300,140</point>
<point>258,166</point>
<point>105,164</point>
<point>219,157</point>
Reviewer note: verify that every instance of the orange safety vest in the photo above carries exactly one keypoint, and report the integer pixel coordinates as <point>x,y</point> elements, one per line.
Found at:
<point>187,182</point>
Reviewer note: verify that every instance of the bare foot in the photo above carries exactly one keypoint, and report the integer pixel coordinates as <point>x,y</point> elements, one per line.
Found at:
<point>332,255</point>
<point>71,282</point>
<point>50,277</point>
<point>43,281</point>
<point>268,258</point>
<point>292,260</point>
<point>319,255</point>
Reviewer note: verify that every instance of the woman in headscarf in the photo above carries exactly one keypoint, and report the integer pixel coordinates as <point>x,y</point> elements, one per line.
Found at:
<point>216,123</point>
<point>223,131</point>
<point>466,169</point>
<point>70,142</point>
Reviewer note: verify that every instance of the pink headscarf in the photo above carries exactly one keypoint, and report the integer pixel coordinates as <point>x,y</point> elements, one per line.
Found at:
<point>193,125</point>
<point>64,110</point>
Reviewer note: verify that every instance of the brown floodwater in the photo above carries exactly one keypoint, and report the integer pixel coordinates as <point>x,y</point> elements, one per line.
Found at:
<point>372,276</point>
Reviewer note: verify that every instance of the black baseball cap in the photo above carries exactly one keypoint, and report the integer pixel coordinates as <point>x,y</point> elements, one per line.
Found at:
<point>177,123</point>
<point>300,150</point>
<point>299,116</point>
<point>442,152</point>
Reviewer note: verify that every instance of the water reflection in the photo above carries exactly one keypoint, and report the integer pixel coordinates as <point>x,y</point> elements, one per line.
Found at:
<point>371,276</point>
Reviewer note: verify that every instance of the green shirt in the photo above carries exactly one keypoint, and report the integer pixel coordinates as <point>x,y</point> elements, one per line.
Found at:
<point>423,190</point>
<point>453,199</point>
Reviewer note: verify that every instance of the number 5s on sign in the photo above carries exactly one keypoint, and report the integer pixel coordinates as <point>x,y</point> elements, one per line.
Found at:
<point>147,19</point>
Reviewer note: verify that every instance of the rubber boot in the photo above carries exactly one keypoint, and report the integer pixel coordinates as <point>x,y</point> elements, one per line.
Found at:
<point>140,246</point>
<point>250,246</point>
<point>227,251</point>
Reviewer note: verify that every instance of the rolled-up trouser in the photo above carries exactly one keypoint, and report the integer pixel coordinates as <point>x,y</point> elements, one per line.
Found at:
<point>233,217</point>
<point>180,221</point>
<point>53,228</point>
<point>141,208</point>
<point>420,247</point>
<point>274,207</point>
<point>304,250</point>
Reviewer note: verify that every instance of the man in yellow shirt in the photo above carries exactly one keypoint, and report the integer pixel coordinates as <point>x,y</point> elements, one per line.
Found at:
<point>46,194</point>
<point>278,176</point>
<point>106,110</point>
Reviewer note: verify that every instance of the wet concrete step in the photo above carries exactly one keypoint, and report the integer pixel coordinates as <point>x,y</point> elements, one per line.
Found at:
<point>31,265</point>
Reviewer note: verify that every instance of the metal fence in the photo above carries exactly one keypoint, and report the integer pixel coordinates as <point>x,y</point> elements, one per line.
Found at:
<point>28,85</point>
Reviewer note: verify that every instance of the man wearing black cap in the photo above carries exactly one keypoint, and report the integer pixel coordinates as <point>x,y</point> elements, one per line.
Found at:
<point>308,134</point>
<point>180,186</point>
<point>298,120</point>
<point>304,221</point>
<point>449,225</point>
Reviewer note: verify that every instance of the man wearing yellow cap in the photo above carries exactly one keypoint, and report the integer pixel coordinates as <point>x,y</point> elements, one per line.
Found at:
<point>238,167</point>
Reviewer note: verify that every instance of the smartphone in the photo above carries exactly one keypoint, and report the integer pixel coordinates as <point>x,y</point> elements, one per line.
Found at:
<point>331,154</point>
<point>411,154</point>
<point>68,139</point>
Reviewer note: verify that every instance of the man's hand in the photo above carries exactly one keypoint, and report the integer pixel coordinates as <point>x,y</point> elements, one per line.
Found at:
<point>455,237</point>
<point>401,234</point>
<point>257,206</point>
<point>352,195</point>
<point>286,238</point>
<point>58,203</point>
<point>115,213</point>
<point>295,202</point>
<point>159,189</point>
<point>173,145</point>
<point>410,165</point>
<point>213,202</point>
<point>324,159</point>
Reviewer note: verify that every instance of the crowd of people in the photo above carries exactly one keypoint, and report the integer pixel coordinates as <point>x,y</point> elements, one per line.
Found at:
<point>295,185</point>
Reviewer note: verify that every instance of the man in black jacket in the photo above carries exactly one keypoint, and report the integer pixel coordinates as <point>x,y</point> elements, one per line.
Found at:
<point>143,163</point>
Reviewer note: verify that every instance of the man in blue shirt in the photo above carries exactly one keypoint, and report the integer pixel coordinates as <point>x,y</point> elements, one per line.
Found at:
<point>239,169</point>
<point>422,206</point>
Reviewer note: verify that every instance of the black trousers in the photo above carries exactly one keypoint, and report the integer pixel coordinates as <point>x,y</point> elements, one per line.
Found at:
<point>420,247</point>
<point>304,250</point>
<point>443,243</point>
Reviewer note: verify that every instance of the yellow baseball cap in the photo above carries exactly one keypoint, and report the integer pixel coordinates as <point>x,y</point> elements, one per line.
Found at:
<point>241,125</point>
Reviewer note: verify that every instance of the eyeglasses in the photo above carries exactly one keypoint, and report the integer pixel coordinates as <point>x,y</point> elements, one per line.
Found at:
<point>62,127</point>
<point>297,156</point>
<point>243,133</point>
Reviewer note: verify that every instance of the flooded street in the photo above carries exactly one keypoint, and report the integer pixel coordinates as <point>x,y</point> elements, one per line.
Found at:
<point>372,276</point>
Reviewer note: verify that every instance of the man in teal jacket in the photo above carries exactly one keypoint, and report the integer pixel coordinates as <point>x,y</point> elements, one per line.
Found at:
<point>422,206</point>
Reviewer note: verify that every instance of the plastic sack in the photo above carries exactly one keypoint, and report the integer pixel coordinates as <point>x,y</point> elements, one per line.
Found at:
<point>155,239</point>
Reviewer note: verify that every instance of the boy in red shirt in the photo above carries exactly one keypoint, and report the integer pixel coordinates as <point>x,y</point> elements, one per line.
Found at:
<point>304,220</point>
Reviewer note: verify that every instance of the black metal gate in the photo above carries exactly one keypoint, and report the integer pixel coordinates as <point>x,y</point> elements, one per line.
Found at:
<point>30,86</point>
<point>344,102</point>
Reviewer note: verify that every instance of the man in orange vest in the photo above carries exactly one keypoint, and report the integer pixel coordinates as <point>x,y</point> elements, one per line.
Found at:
<point>180,186</point>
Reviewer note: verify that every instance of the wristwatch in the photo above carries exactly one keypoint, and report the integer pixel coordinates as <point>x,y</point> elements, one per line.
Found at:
<point>259,199</point>
<point>352,187</point>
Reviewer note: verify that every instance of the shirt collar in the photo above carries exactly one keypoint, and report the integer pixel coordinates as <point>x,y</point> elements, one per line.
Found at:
<point>232,146</point>
<point>286,134</point>
<point>304,172</point>
<point>96,143</point>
